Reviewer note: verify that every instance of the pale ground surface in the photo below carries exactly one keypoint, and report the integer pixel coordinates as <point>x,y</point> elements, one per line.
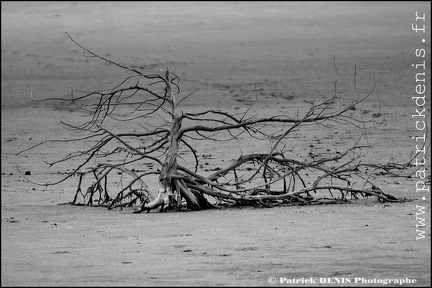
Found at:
<point>225,51</point>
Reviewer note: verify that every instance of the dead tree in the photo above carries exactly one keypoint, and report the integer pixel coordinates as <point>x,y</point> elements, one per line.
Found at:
<point>261,179</point>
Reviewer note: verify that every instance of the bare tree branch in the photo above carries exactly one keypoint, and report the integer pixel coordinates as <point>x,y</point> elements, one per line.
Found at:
<point>260,179</point>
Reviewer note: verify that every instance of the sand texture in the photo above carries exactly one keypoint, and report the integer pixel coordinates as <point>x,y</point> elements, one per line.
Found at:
<point>278,56</point>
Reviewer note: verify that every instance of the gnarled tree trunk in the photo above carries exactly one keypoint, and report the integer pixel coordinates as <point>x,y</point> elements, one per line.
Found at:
<point>171,187</point>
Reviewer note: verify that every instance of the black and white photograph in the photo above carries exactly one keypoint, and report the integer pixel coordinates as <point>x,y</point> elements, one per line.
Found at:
<point>222,143</point>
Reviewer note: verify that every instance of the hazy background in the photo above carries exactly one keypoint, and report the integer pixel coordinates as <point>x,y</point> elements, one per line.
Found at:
<point>208,44</point>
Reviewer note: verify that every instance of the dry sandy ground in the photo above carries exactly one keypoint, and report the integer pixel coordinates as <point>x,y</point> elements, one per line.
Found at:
<point>225,51</point>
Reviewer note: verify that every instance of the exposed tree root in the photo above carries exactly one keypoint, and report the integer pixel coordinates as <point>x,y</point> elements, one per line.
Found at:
<point>263,179</point>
